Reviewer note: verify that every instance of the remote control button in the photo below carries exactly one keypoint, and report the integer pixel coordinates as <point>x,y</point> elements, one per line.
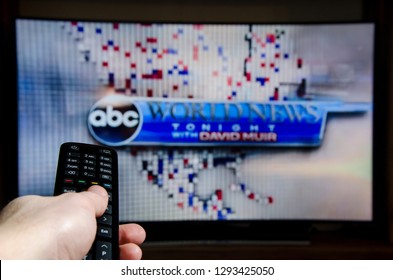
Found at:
<point>72,160</point>
<point>74,147</point>
<point>109,196</point>
<point>103,158</point>
<point>103,250</point>
<point>89,161</point>
<point>71,166</point>
<point>72,154</point>
<point>94,183</point>
<point>107,171</point>
<point>89,168</point>
<point>107,185</point>
<point>68,181</point>
<point>105,177</point>
<point>89,174</point>
<point>89,156</point>
<point>82,182</point>
<point>106,151</point>
<point>71,172</point>
<point>104,231</point>
<point>69,190</point>
<point>106,164</point>
<point>105,220</point>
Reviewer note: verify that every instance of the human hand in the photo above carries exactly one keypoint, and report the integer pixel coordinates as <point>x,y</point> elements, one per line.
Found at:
<point>60,227</point>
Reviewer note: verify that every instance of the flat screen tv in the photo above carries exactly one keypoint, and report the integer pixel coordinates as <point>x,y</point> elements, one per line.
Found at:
<point>220,128</point>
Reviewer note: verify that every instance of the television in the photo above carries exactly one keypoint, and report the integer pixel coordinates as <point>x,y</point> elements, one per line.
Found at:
<point>223,131</point>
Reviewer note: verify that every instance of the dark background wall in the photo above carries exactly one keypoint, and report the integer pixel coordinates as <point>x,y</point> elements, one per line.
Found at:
<point>201,10</point>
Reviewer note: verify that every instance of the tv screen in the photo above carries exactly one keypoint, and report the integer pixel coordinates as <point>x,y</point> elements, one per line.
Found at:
<point>212,122</point>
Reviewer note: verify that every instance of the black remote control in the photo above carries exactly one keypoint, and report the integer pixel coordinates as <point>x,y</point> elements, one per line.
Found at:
<point>81,166</point>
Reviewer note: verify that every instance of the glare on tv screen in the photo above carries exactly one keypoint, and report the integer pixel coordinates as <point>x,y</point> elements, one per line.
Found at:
<point>210,121</point>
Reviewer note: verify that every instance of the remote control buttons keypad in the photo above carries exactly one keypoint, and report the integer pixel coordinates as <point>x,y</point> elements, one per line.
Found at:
<point>83,168</point>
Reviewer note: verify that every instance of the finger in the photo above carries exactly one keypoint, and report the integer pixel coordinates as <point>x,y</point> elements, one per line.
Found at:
<point>98,198</point>
<point>130,251</point>
<point>131,233</point>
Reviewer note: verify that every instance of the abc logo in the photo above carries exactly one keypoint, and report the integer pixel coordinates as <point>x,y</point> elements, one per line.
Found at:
<point>114,120</point>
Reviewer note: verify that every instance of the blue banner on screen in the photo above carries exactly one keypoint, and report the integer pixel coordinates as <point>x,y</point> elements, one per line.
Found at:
<point>118,120</point>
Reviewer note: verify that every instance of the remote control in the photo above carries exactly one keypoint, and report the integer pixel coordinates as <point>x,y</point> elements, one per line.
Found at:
<point>81,166</point>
